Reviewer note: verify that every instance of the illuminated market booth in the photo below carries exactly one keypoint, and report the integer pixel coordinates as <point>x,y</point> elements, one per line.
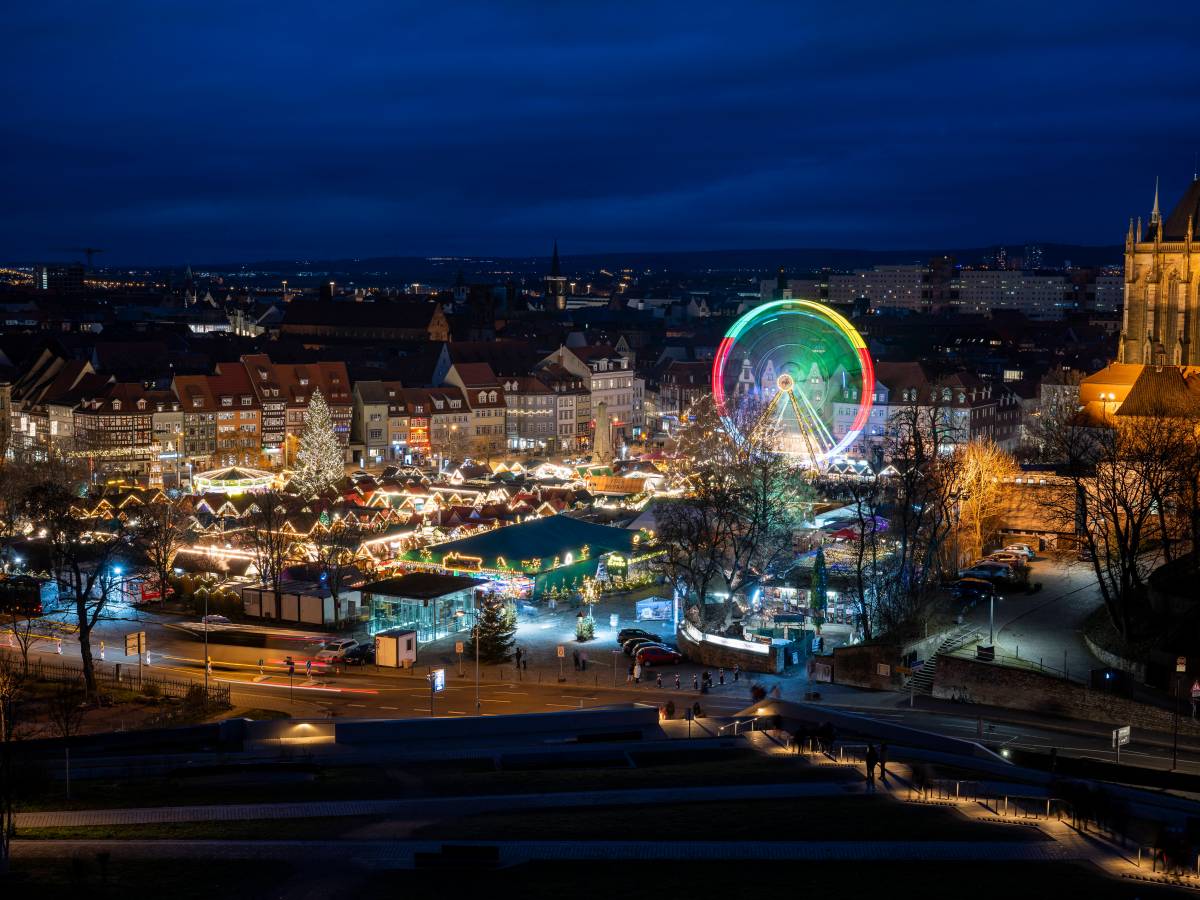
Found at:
<point>538,557</point>
<point>232,480</point>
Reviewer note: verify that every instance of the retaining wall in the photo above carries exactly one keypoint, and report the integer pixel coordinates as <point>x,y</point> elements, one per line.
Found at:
<point>972,681</point>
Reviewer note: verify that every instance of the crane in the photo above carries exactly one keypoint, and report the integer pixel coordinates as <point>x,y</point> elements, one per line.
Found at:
<point>89,252</point>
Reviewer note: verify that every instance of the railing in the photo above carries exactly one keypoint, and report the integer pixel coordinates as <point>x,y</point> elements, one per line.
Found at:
<point>125,675</point>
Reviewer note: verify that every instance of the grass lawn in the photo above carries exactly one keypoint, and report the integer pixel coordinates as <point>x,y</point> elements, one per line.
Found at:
<point>795,819</point>
<point>240,830</point>
<point>86,876</point>
<point>420,780</point>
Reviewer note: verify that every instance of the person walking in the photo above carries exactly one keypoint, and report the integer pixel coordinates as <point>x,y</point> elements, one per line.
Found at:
<point>721,677</point>
<point>872,760</point>
<point>519,652</point>
<point>676,681</point>
<point>658,679</point>
<point>695,682</point>
<point>637,673</point>
<point>883,762</point>
<point>629,675</point>
<point>308,669</point>
<point>737,672</point>
<point>575,656</point>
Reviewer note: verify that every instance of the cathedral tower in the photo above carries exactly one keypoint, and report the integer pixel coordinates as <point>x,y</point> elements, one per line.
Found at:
<point>1162,273</point>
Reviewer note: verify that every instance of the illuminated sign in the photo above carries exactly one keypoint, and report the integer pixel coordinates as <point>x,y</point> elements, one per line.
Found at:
<point>437,680</point>
<point>462,563</point>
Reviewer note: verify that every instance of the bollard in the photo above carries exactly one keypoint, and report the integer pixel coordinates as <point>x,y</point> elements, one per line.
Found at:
<point>1006,806</point>
<point>1139,862</point>
<point>1047,809</point>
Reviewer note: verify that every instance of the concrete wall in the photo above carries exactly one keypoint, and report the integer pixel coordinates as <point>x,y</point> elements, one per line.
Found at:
<point>971,681</point>
<point>717,656</point>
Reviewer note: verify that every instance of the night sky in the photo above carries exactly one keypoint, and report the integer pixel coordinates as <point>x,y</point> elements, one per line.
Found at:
<point>169,132</point>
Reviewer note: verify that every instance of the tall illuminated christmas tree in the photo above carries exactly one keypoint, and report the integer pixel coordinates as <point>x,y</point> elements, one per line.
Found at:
<point>319,460</point>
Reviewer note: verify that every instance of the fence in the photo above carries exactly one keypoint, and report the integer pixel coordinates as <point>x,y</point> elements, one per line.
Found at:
<point>127,676</point>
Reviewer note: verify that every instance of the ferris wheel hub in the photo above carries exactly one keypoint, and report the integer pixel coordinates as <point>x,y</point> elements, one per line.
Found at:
<point>785,382</point>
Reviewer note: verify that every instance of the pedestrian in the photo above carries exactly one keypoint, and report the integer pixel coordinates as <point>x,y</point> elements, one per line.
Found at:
<point>676,681</point>
<point>58,646</point>
<point>525,664</point>
<point>208,666</point>
<point>629,675</point>
<point>583,661</point>
<point>872,759</point>
<point>637,673</point>
<point>260,665</point>
<point>308,669</point>
<point>883,761</point>
<point>695,682</point>
<point>658,680</point>
<point>737,672</point>
<point>721,677</point>
<point>575,657</point>
<point>102,660</point>
<point>519,654</point>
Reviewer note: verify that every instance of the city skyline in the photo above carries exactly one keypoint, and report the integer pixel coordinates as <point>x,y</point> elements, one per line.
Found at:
<point>197,136</point>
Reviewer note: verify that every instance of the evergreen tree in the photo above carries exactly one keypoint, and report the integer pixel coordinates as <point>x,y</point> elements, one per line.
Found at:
<point>319,460</point>
<point>496,629</point>
<point>819,586</point>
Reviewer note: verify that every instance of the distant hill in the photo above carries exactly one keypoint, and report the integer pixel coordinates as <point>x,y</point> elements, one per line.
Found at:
<point>398,270</point>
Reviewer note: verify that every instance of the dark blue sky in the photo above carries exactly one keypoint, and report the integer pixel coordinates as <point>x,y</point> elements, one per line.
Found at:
<point>209,131</point>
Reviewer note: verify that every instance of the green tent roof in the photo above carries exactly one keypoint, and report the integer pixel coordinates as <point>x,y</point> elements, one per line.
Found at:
<point>543,539</point>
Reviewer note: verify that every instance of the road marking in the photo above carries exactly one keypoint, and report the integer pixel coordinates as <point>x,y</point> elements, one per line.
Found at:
<point>565,705</point>
<point>457,712</point>
<point>393,708</point>
<point>490,700</point>
<point>514,693</point>
<point>357,705</point>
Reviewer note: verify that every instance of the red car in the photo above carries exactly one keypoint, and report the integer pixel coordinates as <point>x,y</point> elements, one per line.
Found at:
<point>655,655</point>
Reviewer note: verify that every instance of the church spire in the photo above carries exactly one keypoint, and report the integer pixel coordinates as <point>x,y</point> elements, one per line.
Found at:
<point>1155,215</point>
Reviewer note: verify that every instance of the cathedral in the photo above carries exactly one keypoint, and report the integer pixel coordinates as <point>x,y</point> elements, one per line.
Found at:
<point>1162,276</point>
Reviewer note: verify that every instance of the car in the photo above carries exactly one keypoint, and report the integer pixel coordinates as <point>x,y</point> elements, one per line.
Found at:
<point>631,646</point>
<point>626,634</point>
<point>336,650</point>
<point>1003,556</point>
<point>216,620</point>
<point>1021,549</point>
<point>972,589</point>
<point>990,570</point>
<point>362,655</point>
<point>658,655</point>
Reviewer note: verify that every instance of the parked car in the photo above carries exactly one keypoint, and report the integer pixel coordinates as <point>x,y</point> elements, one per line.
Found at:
<point>336,650</point>
<point>969,590</point>
<point>362,655</point>
<point>1013,559</point>
<point>626,634</point>
<point>632,645</point>
<point>989,570</point>
<point>216,620</point>
<point>658,655</point>
<point>1021,549</point>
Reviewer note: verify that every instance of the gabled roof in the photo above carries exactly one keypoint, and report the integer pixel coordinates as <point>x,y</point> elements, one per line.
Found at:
<point>1175,226</point>
<point>1165,391</point>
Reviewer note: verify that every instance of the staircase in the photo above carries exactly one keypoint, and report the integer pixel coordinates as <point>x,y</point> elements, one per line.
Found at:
<point>922,682</point>
<point>768,742</point>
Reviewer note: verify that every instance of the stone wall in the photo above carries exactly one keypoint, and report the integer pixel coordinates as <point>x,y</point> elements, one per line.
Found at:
<point>1114,661</point>
<point>859,666</point>
<point>972,681</point>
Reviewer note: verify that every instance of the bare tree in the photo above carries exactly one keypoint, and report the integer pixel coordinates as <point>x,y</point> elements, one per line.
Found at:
<point>86,556</point>
<point>268,540</point>
<point>735,524</point>
<point>24,636</point>
<point>336,548</point>
<point>12,687</point>
<point>866,499</point>
<point>160,531</point>
<point>980,472</point>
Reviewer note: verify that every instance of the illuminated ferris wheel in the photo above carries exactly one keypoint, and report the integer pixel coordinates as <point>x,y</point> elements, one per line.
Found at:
<point>799,369</point>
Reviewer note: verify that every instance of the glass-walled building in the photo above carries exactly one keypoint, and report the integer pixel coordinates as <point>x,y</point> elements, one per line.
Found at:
<point>431,604</point>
